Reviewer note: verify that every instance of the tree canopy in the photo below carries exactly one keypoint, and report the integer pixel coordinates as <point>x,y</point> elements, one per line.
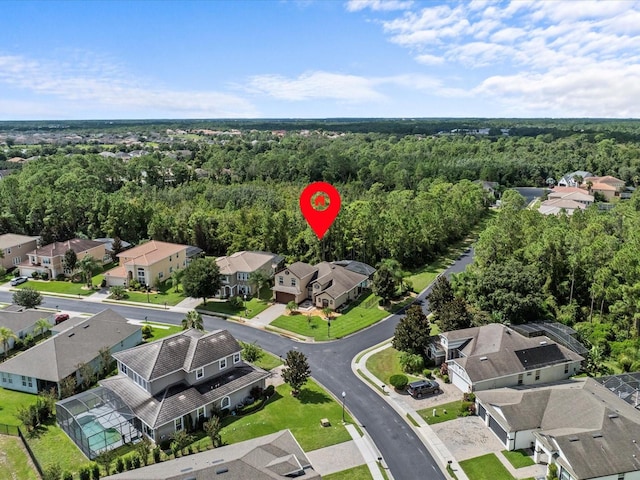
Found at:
<point>201,278</point>
<point>413,332</point>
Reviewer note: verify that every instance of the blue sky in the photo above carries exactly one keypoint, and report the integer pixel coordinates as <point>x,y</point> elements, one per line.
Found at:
<point>315,59</point>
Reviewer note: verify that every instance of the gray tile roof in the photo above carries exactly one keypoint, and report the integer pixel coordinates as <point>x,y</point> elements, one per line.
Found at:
<point>58,356</point>
<point>186,351</point>
<point>495,350</point>
<point>596,431</point>
<point>263,458</point>
<point>180,399</point>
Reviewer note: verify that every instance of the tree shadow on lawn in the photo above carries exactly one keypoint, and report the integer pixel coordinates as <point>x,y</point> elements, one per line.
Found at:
<point>311,396</point>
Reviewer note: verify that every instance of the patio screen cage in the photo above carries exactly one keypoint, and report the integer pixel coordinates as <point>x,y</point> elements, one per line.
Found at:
<point>97,420</point>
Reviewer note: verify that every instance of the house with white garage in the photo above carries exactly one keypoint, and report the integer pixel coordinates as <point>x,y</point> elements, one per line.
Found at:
<point>177,380</point>
<point>587,430</point>
<point>495,355</point>
<point>47,363</point>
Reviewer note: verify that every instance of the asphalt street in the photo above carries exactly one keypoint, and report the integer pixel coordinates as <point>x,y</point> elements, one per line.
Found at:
<point>401,449</point>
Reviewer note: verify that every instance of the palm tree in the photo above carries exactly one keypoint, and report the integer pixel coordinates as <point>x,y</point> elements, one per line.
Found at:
<point>292,306</point>
<point>193,320</point>
<point>42,326</point>
<point>326,311</point>
<point>87,266</point>
<point>260,279</point>
<point>176,278</point>
<point>6,334</point>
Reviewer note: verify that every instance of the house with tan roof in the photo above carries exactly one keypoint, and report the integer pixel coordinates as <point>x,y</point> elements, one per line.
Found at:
<point>189,374</point>
<point>236,271</point>
<point>581,426</point>
<point>325,284</point>
<point>274,456</point>
<point>15,248</point>
<point>610,187</point>
<point>151,263</point>
<point>46,364</point>
<point>49,259</point>
<point>495,355</point>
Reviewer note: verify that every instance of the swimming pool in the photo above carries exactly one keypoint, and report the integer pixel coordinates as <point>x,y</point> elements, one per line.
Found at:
<point>99,437</point>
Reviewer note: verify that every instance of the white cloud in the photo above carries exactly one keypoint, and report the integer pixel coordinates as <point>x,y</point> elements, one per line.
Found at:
<point>315,85</point>
<point>378,5</point>
<point>427,59</point>
<point>106,86</point>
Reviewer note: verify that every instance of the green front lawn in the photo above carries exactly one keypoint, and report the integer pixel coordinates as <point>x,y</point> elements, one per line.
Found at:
<point>9,403</point>
<point>361,314</point>
<point>268,361</point>
<point>518,458</point>
<point>161,330</point>
<point>51,445</point>
<point>452,410</point>
<point>165,294</point>
<point>301,415</point>
<point>486,467</point>
<point>386,363</point>
<point>356,473</point>
<point>253,307</point>
<point>14,460</point>
<point>54,286</point>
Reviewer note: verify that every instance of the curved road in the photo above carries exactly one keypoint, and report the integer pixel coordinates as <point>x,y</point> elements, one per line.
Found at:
<point>330,362</point>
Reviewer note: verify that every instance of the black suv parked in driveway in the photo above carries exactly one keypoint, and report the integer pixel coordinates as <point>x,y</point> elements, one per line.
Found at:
<point>423,387</point>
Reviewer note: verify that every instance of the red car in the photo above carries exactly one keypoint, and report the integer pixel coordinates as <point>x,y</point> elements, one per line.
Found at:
<point>61,317</point>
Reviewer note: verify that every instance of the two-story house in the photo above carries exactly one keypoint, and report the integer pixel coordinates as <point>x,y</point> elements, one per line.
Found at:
<point>15,248</point>
<point>236,271</point>
<point>49,258</point>
<point>151,263</point>
<point>608,186</point>
<point>325,284</point>
<point>181,378</point>
<point>494,355</point>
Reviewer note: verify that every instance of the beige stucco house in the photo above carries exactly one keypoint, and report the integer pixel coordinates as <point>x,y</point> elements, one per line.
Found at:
<point>608,186</point>
<point>151,263</point>
<point>49,258</point>
<point>15,248</point>
<point>236,271</point>
<point>325,284</point>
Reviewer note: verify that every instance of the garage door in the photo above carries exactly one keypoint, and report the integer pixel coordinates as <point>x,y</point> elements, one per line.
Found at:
<point>282,297</point>
<point>498,430</point>
<point>482,412</point>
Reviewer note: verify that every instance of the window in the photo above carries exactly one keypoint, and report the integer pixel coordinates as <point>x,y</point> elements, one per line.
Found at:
<point>537,374</point>
<point>177,424</point>
<point>24,381</point>
<point>46,261</point>
<point>123,368</point>
<point>225,403</point>
<point>520,379</point>
<point>7,251</point>
<point>566,368</point>
<point>199,373</point>
<point>236,357</point>
<point>293,282</point>
<point>161,275</point>
<point>200,412</point>
<point>17,260</point>
<point>4,378</point>
<point>280,280</point>
<point>222,363</point>
<point>170,258</point>
<point>170,269</point>
<point>141,276</point>
<point>147,430</point>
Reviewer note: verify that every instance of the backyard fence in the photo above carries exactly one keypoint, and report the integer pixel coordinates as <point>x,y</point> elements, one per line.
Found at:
<point>16,432</point>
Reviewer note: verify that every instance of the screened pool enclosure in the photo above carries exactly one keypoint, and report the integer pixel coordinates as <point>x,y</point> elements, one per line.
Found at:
<point>97,420</point>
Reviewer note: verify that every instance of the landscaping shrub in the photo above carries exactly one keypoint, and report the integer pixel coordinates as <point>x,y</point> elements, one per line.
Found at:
<point>224,412</point>
<point>469,397</point>
<point>467,408</point>
<point>399,382</point>
<point>119,465</point>
<point>445,379</point>
<point>268,391</point>
<point>35,275</point>
<point>85,473</point>
<point>411,363</point>
<point>95,472</point>
<point>134,285</point>
<point>147,331</point>
<point>52,472</point>
<point>236,302</point>
<point>61,277</point>
<point>553,472</point>
<point>427,373</point>
<point>69,476</point>
<point>29,341</point>
<point>118,292</point>
<point>256,392</point>
<point>251,352</point>
<point>128,463</point>
<point>156,455</point>
<point>44,276</point>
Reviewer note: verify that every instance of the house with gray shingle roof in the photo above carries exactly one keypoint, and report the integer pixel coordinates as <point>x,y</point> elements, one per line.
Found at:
<point>46,364</point>
<point>494,356</point>
<point>21,323</point>
<point>580,425</point>
<point>325,284</point>
<point>236,271</point>
<point>188,374</point>
<point>274,456</point>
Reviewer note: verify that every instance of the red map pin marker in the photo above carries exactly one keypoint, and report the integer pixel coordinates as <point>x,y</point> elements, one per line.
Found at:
<point>320,204</point>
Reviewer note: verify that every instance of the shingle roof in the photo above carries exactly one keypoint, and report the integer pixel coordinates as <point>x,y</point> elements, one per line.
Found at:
<point>188,351</point>
<point>357,267</point>
<point>244,262</point>
<point>12,239</point>
<point>491,351</point>
<point>58,356</point>
<point>596,431</point>
<point>150,252</point>
<point>264,458</point>
<point>180,399</point>
<point>302,270</point>
<point>55,249</point>
<point>17,321</point>
<point>337,280</point>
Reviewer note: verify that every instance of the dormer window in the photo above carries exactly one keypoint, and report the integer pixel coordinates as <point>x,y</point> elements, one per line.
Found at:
<point>199,373</point>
